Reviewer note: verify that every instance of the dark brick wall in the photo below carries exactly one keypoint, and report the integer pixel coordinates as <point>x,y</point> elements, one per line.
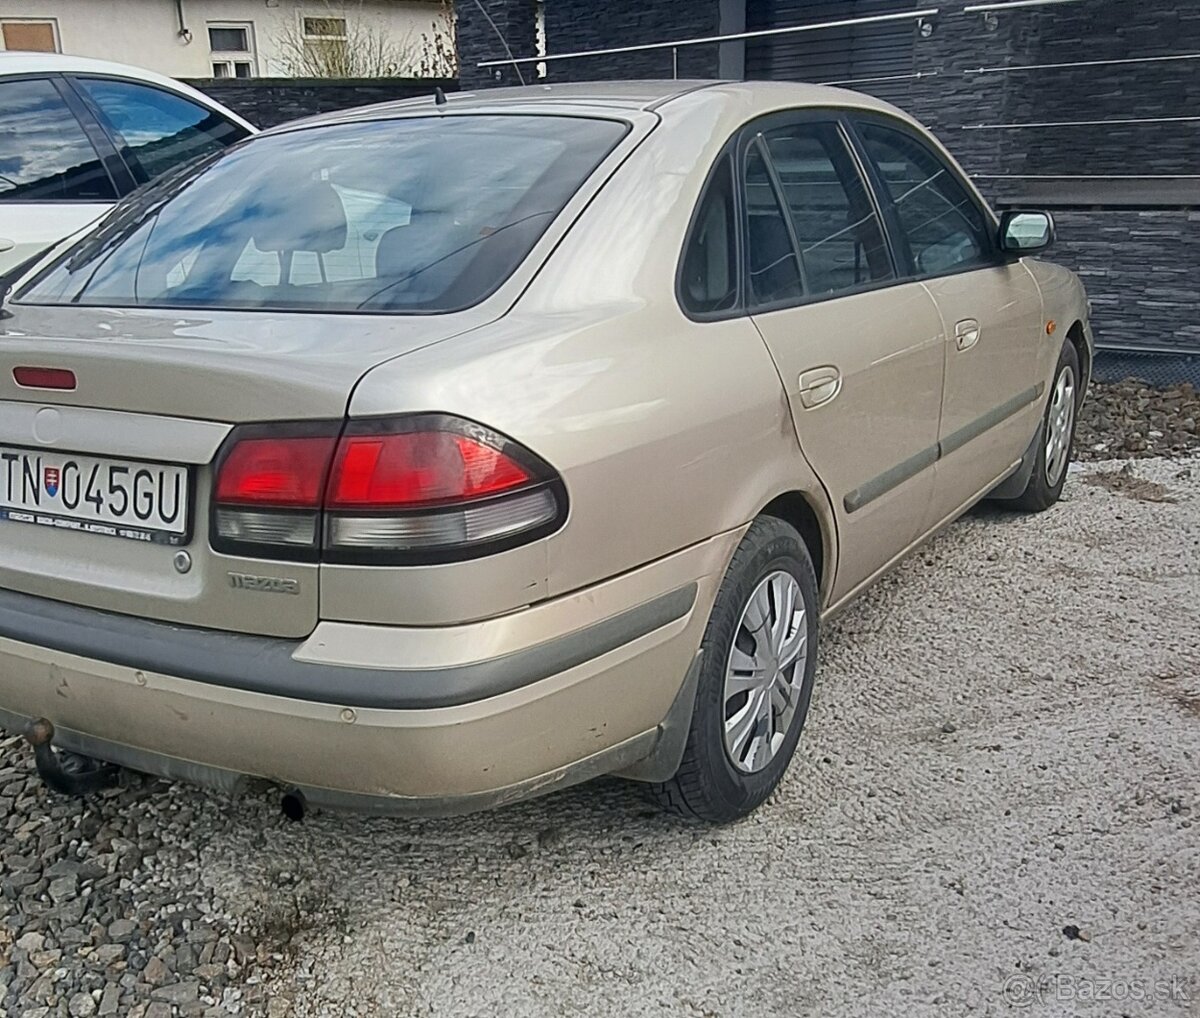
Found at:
<point>573,25</point>
<point>512,22</point>
<point>266,102</point>
<point>955,99</point>
<point>1141,271</point>
<point>1135,239</point>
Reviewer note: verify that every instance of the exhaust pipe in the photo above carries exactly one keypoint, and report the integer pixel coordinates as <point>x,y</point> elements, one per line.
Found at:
<point>294,805</point>
<point>68,773</point>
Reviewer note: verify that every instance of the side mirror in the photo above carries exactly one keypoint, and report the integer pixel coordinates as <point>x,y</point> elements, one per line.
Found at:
<point>1023,233</point>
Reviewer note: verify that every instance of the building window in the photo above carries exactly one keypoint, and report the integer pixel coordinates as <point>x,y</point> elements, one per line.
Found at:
<point>232,47</point>
<point>36,36</point>
<point>326,44</point>
<point>325,28</point>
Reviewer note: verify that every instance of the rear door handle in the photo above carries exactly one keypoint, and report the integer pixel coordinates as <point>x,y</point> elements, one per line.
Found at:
<point>819,385</point>
<point>6,244</point>
<point>966,334</point>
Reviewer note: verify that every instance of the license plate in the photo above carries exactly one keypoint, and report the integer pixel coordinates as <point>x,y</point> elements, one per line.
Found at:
<point>134,499</point>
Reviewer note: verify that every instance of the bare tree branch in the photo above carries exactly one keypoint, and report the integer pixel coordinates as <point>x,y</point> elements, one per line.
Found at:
<point>343,43</point>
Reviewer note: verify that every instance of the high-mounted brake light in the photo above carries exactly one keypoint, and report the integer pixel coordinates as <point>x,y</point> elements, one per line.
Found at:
<point>415,489</point>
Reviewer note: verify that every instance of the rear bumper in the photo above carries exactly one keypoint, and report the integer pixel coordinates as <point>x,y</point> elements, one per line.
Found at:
<point>428,720</point>
<point>305,670</point>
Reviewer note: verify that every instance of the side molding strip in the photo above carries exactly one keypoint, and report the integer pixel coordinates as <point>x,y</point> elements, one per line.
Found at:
<point>891,478</point>
<point>956,440</point>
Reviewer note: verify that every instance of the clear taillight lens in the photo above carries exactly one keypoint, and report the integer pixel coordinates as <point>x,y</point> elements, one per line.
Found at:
<point>423,488</point>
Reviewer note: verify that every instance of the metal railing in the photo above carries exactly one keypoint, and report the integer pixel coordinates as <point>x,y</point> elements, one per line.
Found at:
<point>1013,68</point>
<point>915,76</point>
<point>989,9</point>
<point>709,40</point>
<point>1006,5</point>
<point>1081,123</point>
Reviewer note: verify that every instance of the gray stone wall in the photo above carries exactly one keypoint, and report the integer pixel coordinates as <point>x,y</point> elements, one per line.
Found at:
<point>1134,237</point>
<point>512,22</point>
<point>1142,273</point>
<point>266,102</point>
<point>573,25</point>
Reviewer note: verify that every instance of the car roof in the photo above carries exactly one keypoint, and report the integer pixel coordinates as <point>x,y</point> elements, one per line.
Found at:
<point>614,97</point>
<point>18,62</point>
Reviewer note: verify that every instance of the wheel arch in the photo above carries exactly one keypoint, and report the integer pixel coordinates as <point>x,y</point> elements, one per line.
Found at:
<point>1079,340</point>
<point>800,510</point>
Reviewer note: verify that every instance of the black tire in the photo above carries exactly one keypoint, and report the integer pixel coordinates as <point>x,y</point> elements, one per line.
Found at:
<point>707,786</point>
<point>1043,491</point>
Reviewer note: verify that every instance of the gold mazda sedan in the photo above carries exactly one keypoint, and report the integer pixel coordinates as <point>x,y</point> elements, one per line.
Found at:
<point>430,456</point>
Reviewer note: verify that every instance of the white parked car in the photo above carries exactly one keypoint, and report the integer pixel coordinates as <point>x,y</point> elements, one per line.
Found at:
<point>78,134</point>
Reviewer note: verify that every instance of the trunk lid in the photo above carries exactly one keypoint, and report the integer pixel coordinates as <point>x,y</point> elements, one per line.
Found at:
<point>158,390</point>
<point>226,366</point>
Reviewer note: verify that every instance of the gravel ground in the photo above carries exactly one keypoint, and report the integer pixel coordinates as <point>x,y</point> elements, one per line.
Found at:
<point>993,806</point>
<point>1133,419</point>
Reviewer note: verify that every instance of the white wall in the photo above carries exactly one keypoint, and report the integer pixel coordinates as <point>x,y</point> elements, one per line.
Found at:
<point>145,32</point>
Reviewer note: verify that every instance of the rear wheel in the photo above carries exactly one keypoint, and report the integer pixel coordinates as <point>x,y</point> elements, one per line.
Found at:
<point>1058,436</point>
<point>759,656</point>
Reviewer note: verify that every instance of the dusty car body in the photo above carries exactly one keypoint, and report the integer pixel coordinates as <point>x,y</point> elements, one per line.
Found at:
<point>654,381</point>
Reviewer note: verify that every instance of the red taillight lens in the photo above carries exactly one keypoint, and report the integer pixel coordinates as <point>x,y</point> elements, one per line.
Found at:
<point>418,469</point>
<point>285,472</point>
<point>422,488</point>
<point>268,487</point>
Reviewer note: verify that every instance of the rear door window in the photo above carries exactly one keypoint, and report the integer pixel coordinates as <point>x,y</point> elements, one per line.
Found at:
<point>837,229</point>
<point>773,268</point>
<point>157,130</point>
<point>44,153</point>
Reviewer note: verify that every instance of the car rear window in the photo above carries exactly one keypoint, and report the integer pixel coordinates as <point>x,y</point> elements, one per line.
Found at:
<point>414,215</point>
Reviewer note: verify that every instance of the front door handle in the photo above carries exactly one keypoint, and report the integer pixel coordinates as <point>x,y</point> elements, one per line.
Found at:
<point>966,334</point>
<point>6,244</point>
<point>819,385</point>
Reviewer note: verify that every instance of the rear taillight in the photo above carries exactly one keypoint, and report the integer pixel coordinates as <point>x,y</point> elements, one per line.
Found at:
<point>424,488</point>
<point>267,493</point>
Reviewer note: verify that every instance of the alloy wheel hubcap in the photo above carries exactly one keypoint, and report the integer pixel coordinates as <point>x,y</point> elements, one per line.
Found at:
<point>1059,425</point>
<point>765,672</point>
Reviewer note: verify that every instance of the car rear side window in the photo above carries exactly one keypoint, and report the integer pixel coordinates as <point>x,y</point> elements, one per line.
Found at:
<point>44,154</point>
<point>837,228</point>
<point>773,269</point>
<point>422,214</point>
<point>158,130</point>
<point>708,277</point>
<point>941,224</point>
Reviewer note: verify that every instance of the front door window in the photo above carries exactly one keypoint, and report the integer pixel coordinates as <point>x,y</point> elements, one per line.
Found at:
<point>943,227</point>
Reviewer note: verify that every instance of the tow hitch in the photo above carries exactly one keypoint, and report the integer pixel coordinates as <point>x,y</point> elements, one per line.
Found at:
<point>69,773</point>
